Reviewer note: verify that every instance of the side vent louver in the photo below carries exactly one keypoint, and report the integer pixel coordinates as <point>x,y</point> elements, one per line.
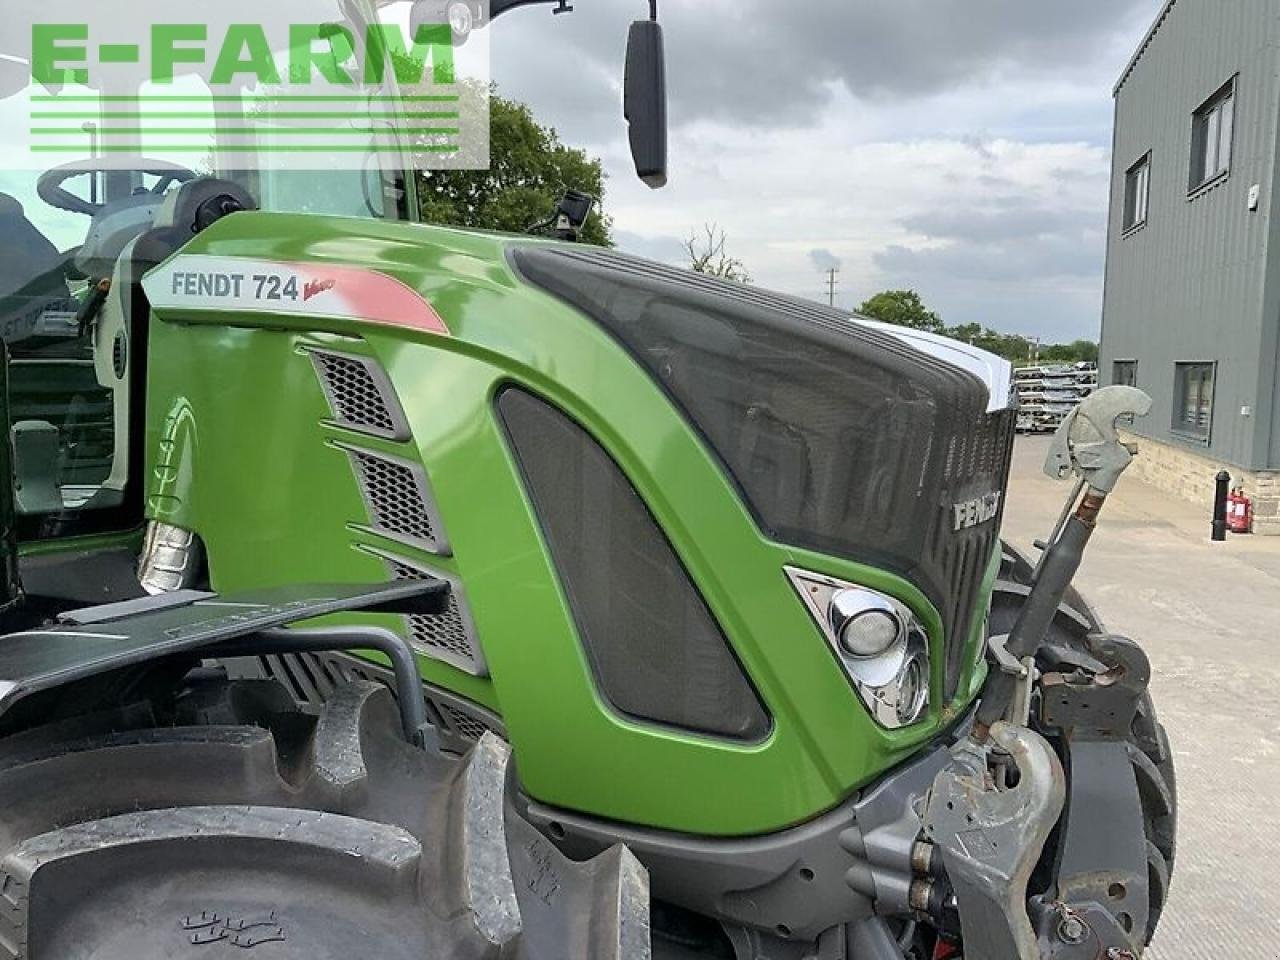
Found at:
<point>360,396</point>
<point>449,636</point>
<point>311,679</point>
<point>401,505</point>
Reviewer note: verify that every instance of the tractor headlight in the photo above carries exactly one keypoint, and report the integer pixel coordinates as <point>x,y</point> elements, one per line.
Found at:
<point>865,623</point>
<point>879,642</point>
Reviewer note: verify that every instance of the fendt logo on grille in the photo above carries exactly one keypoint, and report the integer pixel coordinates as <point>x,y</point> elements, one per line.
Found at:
<point>979,510</point>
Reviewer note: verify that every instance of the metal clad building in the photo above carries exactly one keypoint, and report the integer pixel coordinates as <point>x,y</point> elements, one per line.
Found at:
<point>1191,309</point>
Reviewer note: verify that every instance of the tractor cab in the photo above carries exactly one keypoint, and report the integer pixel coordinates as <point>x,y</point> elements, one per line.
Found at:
<point>80,236</point>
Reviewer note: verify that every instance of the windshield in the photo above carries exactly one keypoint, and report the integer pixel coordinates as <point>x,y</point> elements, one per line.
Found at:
<point>69,384</point>
<point>66,306</point>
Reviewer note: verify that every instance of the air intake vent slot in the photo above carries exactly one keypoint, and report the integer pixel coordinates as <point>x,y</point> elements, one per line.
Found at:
<point>464,724</point>
<point>655,649</point>
<point>450,636</point>
<point>399,498</point>
<point>360,395</point>
<point>312,677</point>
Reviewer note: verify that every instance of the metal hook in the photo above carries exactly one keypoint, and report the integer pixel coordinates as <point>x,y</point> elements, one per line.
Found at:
<point>1088,443</point>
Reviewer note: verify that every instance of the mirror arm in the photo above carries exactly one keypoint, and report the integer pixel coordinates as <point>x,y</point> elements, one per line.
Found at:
<point>499,7</point>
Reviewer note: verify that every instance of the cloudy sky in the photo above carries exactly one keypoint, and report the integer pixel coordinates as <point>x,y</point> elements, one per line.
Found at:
<point>959,147</point>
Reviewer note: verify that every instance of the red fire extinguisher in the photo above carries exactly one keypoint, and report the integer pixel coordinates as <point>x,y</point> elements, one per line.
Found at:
<point>1239,512</point>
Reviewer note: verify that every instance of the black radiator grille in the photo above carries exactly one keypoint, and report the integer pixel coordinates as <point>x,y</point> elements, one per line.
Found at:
<point>976,465</point>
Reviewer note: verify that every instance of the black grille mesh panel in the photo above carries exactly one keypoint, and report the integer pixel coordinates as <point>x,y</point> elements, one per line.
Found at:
<point>977,464</point>
<point>655,650</point>
<point>311,679</point>
<point>463,724</point>
<point>446,635</point>
<point>355,396</point>
<point>397,499</point>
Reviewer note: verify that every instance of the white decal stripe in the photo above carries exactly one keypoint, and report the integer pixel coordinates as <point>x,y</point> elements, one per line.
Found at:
<point>242,285</point>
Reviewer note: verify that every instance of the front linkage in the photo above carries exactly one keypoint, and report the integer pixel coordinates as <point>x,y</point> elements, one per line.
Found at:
<point>994,806</point>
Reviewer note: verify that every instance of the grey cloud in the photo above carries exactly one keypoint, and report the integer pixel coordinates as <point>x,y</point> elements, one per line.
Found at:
<point>824,260</point>
<point>663,249</point>
<point>1005,226</point>
<point>761,62</point>
<point>1049,288</point>
<point>1001,251</point>
<point>981,146</point>
<point>1019,259</point>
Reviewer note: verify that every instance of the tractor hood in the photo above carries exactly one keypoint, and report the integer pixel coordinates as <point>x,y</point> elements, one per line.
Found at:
<point>848,438</point>
<point>993,370</point>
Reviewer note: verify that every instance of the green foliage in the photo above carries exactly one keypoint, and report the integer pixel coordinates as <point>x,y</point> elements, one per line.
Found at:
<point>906,309</point>
<point>1007,345</point>
<point>707,254</point>
<point>530,169</point>
<point>1073,352</point>
<point>903,308</point>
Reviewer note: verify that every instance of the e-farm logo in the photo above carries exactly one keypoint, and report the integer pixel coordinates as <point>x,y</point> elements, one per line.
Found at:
<point>343,89</point>
<point>60,53</point>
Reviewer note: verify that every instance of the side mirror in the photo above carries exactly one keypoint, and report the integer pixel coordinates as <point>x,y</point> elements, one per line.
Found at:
<point>462,16</point>
<point>646,101</point>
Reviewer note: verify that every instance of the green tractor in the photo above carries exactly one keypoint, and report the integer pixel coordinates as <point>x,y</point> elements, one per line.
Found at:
<point>383,589</point>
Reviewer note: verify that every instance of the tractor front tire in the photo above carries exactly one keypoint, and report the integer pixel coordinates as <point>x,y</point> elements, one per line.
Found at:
<point>1151,757</point>
<point>241,823</point>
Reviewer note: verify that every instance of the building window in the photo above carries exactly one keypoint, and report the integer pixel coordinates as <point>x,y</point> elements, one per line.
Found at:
<point>1137,188</point>
<point>1211,129</point>
<point>1124,373</point>
<point>1193,399</point>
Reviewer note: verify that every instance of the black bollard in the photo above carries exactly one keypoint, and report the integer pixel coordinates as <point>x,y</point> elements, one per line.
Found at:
<point>1220,506</point>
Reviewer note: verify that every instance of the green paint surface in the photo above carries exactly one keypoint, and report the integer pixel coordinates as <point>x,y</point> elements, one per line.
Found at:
<point>243,453</point>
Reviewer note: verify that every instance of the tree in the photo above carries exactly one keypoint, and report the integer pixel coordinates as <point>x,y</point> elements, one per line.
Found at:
<point>529,171</point>
<point>903,308</point>
<point>906,309</point>
<point>707,254</point>
<point>1074,352</point>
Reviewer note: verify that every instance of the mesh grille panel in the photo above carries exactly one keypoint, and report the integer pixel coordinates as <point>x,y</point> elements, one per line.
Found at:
<point>300,671</point>
<point>357,397</point>
<point>396,496</point>
<point>977,463</point>
<point>447,636</point>
<point>463,723</point>
<point>655,650</point>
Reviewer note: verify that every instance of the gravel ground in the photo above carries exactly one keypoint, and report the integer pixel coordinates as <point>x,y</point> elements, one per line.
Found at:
<point>1208,615</point>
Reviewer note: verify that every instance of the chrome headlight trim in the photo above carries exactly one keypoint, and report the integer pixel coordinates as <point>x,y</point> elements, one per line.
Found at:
<point>888,682</point>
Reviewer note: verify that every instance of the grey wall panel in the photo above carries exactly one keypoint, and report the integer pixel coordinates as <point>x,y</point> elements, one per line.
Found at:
<point>1192,284</point>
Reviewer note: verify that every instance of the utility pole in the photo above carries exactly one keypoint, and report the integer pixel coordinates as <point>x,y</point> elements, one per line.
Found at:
<point>831,285</point>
